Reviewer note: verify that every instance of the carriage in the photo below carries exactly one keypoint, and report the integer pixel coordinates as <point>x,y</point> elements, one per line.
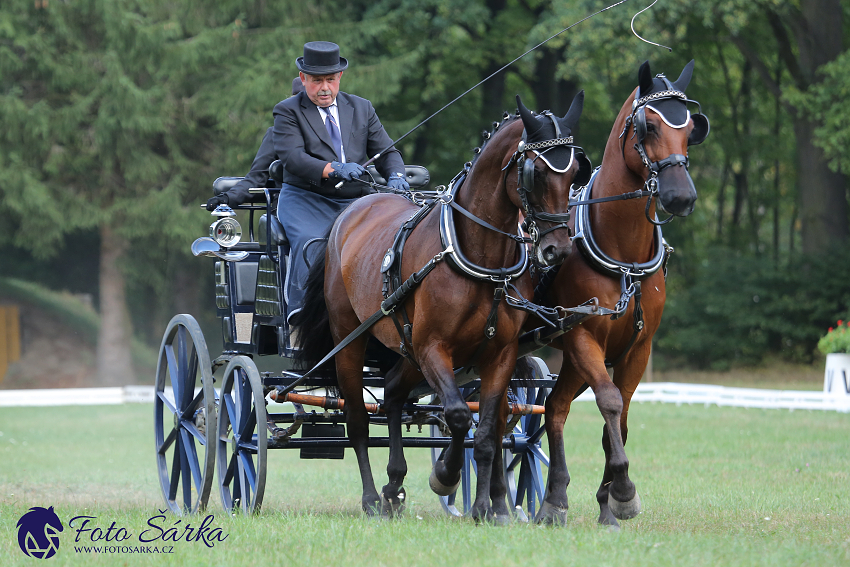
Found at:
<point>207,418</point>
<point>221,414</point>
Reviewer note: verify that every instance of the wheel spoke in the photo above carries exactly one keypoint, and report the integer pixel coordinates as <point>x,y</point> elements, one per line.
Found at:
<point>250,471</point>
<point>183,366</point>
<point>245,399</point>
<point>538,452</point>
<point>193,405</point>
<point>166,402</point>
<point>514,462</point>
<point>247,432</point>
<point>173,373</point>
<point>231,468</point>
<point>196,433</point>
<point>185,474</point>
<point>230,408</point>
<point>175,471</point>
<point>192,458</point>
<point>534,438</point>
<point>243,488</point>
<point>466,481</point>
<point>167,443</point>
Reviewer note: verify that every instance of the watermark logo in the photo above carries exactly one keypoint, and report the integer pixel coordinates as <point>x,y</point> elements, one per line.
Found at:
<point>38,533</point>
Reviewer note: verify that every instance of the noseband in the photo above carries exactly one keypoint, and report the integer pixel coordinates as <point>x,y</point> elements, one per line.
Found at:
<point>638,119</point>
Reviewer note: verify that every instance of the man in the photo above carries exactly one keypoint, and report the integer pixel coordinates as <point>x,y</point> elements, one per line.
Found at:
<point>322,136</point>
<point>259,174</point>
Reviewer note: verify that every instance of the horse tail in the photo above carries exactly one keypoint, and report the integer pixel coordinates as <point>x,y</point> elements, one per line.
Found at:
<point>524,372</point>
<point>312,325</point>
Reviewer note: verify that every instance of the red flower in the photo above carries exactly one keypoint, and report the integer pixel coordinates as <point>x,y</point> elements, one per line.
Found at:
<point>830,330</point>
<point>840,322</point>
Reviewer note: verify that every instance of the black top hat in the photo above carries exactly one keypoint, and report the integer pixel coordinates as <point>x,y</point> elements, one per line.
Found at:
<point>297,86</point>
<point>321,58</point>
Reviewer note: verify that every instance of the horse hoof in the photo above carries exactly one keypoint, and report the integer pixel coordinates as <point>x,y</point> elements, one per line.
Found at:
<point>499,519</point>
<point>439,488</point>
<point>551,515</point>
<point>624,510</point>
<point>393,507</point>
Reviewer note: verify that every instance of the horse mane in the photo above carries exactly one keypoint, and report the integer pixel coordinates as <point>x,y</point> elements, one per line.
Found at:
<point>487,135</point>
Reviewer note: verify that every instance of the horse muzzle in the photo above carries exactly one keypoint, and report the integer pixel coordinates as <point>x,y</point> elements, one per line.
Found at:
<point>676,192</point>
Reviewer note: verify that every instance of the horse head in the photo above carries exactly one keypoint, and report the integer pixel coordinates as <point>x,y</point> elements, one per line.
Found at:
<point>663,128</point>
<point>548,164</point>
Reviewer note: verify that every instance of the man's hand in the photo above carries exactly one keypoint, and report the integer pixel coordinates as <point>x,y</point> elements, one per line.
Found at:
<point>398,182</point>
<point>216,201</point>
<point>346,171</point>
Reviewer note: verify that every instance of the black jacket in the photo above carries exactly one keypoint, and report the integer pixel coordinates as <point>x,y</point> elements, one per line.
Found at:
<point>304,145</point>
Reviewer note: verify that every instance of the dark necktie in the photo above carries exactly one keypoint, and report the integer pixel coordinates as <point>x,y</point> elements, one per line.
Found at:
<point>333,130</point>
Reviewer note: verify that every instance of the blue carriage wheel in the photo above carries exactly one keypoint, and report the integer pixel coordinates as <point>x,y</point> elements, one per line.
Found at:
<point>242,437</point>
<point>184,417</point>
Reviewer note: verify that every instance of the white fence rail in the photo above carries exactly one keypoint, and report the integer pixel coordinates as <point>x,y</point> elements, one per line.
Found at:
<point>663,392</point>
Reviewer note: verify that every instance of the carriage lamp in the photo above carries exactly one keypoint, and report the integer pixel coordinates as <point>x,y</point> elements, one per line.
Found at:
<point>226,231</point>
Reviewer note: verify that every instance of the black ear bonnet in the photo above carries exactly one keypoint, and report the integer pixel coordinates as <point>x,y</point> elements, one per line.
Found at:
<point>669,101</point>
<point>545,127</point>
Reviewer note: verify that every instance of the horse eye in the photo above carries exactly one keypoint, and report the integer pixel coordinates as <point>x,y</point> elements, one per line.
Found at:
<point>650,127</point>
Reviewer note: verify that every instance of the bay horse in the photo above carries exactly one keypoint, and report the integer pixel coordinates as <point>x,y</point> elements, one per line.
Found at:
<point>620,257</point>
<point>457,314</point>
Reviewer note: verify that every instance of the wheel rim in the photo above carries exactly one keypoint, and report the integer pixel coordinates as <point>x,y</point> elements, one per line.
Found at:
<point>184,417</point>
<point>242,437</point>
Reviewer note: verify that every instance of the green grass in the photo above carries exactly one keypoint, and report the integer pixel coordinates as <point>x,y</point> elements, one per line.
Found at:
<point>720,486</point>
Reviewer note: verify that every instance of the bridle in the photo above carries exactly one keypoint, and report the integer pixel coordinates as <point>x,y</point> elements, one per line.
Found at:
<point>525,178</point>
<point>637,118</point>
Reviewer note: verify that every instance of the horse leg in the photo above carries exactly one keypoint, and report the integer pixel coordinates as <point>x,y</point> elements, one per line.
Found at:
<point>494,384</point>
<point>498,484</point>
<point>553,509</point>
<point>349,363</point>
<point>617,496</point>
<point>437,368</point>
<point>396,389</point>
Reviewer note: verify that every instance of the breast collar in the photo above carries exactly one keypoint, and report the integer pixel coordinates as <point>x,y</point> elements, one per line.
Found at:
<point>598,258</point>
<point>454,254</point>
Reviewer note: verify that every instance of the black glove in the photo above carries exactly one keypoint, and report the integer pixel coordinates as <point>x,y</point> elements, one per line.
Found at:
<point>346,171</point>
<point>216,201</point>
<point>398,182</point>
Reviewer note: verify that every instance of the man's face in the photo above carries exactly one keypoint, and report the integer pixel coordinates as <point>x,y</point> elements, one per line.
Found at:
<point>321,89</point>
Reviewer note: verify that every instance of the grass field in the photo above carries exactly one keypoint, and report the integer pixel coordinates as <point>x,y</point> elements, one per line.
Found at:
<point>720,486</point>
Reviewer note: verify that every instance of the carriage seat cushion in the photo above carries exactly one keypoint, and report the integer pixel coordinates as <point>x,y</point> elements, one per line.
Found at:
<point>417,176</point>
<point>278,236</point>
<point>224,184</point>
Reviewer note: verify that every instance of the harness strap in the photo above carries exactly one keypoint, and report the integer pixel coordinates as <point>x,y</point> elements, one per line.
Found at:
<point>489,326</point>
<point>630,289</point>
<point>485,224</point>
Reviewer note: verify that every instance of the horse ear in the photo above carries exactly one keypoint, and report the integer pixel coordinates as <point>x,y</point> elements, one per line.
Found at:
<point>644,79</point>
<point>685,78</point>
<point>531,124</point>
<point>570,119</point>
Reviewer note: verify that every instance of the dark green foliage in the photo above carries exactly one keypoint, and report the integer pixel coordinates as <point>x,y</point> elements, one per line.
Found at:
<point>122,113</point>
<point>734,308</point>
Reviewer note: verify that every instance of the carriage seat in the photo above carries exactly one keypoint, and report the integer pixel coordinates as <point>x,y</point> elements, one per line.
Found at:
<point>417,176</point>
<point>278,235</point>
<point>224,184</point>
